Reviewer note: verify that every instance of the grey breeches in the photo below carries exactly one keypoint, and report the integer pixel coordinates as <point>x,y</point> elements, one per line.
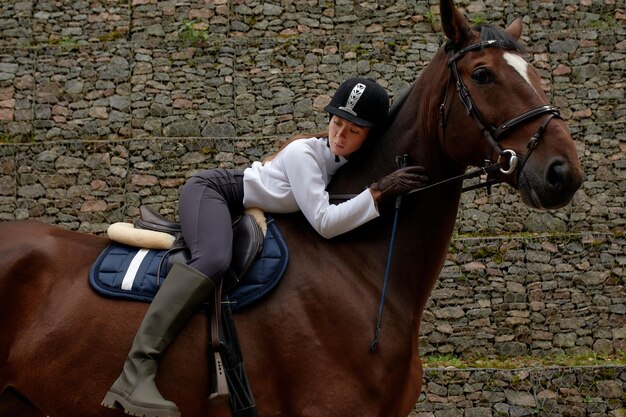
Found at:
<point>208,202</point>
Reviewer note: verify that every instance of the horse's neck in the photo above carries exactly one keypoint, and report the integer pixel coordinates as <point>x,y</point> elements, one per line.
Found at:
<point>422,118</point>
<point>430,223</point>
<point>427,219</point>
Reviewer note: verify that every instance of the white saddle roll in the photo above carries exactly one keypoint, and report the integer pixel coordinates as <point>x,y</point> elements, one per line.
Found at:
<point>127,234</point>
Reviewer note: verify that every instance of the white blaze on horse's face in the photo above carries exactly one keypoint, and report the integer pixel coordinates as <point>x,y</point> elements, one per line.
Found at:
<point>520,65</point>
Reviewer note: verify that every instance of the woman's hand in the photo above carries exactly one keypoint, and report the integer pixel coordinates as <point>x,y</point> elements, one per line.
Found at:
<point>399,182</point>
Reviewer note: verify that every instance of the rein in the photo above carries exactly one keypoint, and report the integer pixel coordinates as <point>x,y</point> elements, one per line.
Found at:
<point>488,169</point>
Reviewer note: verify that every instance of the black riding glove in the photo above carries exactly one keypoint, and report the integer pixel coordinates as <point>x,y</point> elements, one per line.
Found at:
<point>400,181</point>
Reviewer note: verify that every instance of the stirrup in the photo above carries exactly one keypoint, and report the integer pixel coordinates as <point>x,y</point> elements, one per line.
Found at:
<point>221,393</point>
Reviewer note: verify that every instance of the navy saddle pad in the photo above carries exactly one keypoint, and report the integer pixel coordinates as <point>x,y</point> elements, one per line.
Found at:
<point>132,273</point>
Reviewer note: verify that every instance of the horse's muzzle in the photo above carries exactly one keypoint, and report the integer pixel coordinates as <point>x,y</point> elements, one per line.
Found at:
<point>552,188</point>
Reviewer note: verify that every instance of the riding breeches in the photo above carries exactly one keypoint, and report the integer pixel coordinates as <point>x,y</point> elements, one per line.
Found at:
<point>208,202</point>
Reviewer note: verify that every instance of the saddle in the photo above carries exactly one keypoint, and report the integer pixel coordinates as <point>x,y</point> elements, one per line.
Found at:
<point>248,239</point>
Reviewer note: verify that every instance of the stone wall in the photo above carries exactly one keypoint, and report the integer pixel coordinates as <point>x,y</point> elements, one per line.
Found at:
<point>539,296</point>
<point>546,392</point>
<point>106,105</point>
<point>255,72</point>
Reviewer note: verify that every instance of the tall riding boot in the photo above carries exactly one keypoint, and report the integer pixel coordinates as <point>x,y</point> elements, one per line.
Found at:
<point>135,391</point>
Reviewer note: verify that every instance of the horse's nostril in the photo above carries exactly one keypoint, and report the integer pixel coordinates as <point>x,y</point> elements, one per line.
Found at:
<point>557,173</point>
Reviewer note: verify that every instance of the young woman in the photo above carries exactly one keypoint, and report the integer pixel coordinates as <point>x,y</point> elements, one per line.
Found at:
<point>294,179</point>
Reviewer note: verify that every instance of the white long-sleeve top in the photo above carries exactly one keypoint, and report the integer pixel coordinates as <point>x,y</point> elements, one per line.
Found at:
<point>296,179</point>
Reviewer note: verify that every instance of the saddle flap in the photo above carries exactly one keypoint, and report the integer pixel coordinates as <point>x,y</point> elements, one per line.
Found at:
<point>248,241</point>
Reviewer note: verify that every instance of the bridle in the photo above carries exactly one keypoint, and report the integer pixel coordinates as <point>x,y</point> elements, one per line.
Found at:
<point>490,132</point>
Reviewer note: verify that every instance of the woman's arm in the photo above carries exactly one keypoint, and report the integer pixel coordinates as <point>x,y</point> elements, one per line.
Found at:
<point>309,190</point>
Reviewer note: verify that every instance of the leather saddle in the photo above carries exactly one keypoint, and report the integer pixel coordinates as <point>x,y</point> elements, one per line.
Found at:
<point>248,241</point>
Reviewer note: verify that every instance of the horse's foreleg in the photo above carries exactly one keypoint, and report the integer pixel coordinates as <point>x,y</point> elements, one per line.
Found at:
<point>14,405</point>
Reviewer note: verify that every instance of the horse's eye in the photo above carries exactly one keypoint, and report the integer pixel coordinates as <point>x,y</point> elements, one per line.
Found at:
<point>482,76</point>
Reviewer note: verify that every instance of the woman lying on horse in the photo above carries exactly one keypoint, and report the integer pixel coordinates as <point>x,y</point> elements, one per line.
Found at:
<point>295,179</point>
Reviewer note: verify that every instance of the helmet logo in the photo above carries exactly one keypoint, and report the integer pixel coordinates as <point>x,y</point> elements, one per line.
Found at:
<point>355,95</point>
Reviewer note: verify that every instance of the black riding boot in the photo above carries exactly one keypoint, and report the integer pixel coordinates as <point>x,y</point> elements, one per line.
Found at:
<point>135,391</point>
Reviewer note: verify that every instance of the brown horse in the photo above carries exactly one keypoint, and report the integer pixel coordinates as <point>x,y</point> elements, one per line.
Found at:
<point>307,347</point>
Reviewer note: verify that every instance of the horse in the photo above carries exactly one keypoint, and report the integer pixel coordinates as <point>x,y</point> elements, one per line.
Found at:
<point>308,347</point>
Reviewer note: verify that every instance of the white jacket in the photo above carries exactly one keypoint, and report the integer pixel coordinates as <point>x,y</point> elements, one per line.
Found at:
<point>296,179</point>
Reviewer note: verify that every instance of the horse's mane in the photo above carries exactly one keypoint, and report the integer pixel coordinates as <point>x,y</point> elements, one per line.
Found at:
<point>398,102</point>
<point>505,41</point>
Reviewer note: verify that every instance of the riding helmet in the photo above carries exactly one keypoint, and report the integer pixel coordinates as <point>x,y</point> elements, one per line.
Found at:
<point>361,101</point>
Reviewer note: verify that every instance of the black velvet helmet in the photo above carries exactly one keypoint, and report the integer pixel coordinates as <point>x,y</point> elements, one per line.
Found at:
<point>361,101</point>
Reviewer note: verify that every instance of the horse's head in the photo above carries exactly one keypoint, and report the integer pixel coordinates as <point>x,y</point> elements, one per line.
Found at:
<point>494,108</point>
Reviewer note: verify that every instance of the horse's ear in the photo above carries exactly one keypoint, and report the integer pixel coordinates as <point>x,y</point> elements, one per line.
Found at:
<point>454,24</point>
<point>515,28</point>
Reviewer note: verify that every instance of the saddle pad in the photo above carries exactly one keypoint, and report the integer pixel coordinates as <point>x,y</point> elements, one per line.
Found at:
<point>131,273</point>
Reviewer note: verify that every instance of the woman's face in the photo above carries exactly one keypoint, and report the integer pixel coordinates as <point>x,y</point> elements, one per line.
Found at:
<point>345,137</point>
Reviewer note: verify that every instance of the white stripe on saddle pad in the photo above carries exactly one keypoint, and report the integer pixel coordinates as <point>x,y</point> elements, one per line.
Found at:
<point>131,273</point>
